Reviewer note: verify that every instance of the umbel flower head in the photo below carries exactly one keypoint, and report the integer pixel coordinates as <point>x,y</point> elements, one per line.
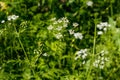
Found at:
<point>78,35</point>
<point>89,3</point>
<point>12,17</point>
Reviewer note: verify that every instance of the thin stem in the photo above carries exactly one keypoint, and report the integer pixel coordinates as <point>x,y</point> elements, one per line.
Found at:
<point>94,50</point>
<point>23,50</point>
<point>111,9</point>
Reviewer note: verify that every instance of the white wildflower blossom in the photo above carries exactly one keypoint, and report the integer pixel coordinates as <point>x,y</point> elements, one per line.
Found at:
<point>75,24</point>
<point>82,53</point>
<point>71,31</point>
<point>99,26</point>
<point>103,25</point>
<point>105,29</point>
<point>59,21</point>
<point>58,36</point>
<point>101,60</point>
<point>64,19</point>
<point>50,27</point>
<point>59,28</point>
<point>12,17</point>
<point>99,32</point>
<point>53,19</point>
<point>45,54</point>
<point>89,3</point>
<point>3,21</point>
<point>78,35</point>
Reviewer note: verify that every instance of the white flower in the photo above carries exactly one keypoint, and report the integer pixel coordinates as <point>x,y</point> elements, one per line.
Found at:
<point>12,17</point>
<point>53,19</point>
<point>65,25</point>
<point>89,3</point>
<point>82,53</point>
<point>75,24</point>
<point>99,32</point>
<point>71,31</point>
<point>105,29</point>
<point>59,21</point>
<point>58,36</point>
<point>99,26</point>
<point>103,25</point>
<point>50,27</point>
<point>45,54</point>
<point>59,28</point>
<point>3,21</point>
<point>78,35</point>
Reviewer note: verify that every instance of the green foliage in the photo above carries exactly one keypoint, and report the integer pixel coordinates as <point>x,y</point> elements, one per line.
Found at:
<point>59,40</point>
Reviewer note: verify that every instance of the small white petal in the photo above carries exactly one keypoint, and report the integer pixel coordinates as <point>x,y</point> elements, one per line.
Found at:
<point>99,32</point>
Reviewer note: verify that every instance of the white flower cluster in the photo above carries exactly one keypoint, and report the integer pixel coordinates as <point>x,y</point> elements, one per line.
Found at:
<point>58,35</point>
<point>103,26</point>
<point>81,54</point>
<point>75,24</point>
<point>45,54</point>
<point>38,52</point>
<point>89,3</point>
<point>12,17</point>
<point>58,26</point>
<point>101,60</point>
<point>9,18</point>
<point>77,35</point>
<point>3,21</point>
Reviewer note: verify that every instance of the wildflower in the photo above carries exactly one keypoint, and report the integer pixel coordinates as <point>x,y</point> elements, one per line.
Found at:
<point>89,3</point>
<point>53,19</point>
<point>103,25</point>
<point>71,31</point>
<point>75,24</point>
<point>99,32</point>
<point>59,28</point>
<point>3,21</point>
<point>82,53</point>
<point>12,17</point>
<point>59,21</point>
<point>101,60</point>
<point>65,25</point>
<point>45,54</point>
<point>105,29</point>
<point>78,35</point>
<point>50,27</point>
<point>58,36</point>
<point>99,26</point>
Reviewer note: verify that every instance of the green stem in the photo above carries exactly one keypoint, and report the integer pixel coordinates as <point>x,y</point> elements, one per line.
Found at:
<point>24,50</point>
<point>111,9</point>
<point>94,50</point>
